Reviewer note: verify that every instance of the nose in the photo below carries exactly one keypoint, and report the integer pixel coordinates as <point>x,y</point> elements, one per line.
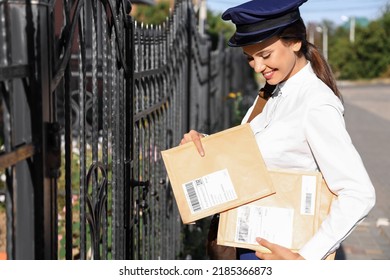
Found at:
<point>259,65</point>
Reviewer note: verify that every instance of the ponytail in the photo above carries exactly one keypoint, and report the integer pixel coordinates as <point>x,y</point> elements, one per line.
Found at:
<point>297,32</point>
<point>320,66</point>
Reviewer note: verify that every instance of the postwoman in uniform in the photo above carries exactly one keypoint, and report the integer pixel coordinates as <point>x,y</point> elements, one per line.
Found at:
<point>301,126</point>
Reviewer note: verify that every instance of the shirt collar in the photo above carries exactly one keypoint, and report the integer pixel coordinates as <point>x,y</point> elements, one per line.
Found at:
<point>298,79</point>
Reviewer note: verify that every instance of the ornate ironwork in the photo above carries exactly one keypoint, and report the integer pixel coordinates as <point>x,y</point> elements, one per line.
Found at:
<point>87,91</point>
<point>96,206</point>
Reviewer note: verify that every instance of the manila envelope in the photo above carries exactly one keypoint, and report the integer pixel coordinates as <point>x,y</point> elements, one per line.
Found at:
<point>231,173</point>
<point>289,218</point>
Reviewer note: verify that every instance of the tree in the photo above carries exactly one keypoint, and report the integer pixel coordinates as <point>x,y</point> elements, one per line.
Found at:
<point>155,14</point>
<point>372,51</point>
<point>368,57</point>
<point>217,27</point>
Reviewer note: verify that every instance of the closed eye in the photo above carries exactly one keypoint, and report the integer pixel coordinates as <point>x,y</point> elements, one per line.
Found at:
<point>265,55</point>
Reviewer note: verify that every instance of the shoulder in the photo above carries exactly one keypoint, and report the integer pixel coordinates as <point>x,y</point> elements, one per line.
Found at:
<point>316,93</point>
<point>311,91</point>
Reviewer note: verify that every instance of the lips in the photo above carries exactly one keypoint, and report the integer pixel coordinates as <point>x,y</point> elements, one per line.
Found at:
<point>268,75</point>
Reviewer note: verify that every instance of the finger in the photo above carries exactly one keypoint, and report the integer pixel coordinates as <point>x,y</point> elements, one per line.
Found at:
<point>264,256</point>
<point>194,136</point>
<point>199,147</point>
<point>265,243</point>
<point>188,137</point>
<point>191,136</point>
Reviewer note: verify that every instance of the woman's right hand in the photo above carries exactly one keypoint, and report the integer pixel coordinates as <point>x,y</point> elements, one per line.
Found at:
<point>194,136</point>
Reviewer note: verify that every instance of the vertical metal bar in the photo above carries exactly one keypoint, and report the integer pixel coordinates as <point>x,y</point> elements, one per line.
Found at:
<point>37,134</point>
<point>168,90</point>
<point>120,142</point>
<point>82,137</point>
<point>105,129</point>
<point>95,99</point>
<point>68,167</point>
<point>209,94</point>
<point>95,243</point>
<point>120,138</point>
<point>129,130</point>
<point>145,189</point>
<point>68,155</point>
<point>116,242</point>
<point>54,138</point>
<point>189,66</point>
<point>5,33</point>
<point>10,246</point>
<point>39,60</point>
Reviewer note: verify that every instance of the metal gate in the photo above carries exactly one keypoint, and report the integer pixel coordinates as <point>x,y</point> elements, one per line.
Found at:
<point>89,98</point>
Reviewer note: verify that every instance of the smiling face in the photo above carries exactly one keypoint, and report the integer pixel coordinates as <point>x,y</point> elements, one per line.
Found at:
<point>275,59</point>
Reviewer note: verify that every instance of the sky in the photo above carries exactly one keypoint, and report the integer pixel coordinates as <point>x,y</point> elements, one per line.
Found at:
<point>319,10</point>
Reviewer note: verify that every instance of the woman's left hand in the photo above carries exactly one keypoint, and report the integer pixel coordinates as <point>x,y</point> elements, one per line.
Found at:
<point>277,252</point>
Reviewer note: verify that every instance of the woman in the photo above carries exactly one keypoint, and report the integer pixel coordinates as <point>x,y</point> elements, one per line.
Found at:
<point>301,126</point>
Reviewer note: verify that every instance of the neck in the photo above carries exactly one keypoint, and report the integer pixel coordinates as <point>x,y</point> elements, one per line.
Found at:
<point>300,63</point>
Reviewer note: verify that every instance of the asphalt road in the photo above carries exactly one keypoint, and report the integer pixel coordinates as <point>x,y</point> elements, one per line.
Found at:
<point>367,116</point>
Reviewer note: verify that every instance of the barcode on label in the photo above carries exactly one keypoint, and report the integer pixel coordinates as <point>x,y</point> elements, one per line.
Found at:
<point>272,223</point>
<point>308,194</point>
<point>308,203</point>
<point>243,225</point>
<point>194,200</point>
<point>209,190</point>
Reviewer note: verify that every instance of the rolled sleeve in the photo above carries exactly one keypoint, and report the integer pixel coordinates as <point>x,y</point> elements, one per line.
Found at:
<point>345,174</point>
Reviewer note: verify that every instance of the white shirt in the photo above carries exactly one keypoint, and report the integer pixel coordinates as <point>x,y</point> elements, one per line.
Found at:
<point>303,128</point>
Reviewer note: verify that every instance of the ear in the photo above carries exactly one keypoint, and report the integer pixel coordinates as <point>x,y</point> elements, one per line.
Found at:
<point>296,46</point>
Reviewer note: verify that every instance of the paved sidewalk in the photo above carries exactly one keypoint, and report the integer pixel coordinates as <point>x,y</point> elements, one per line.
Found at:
<point>367,115</point>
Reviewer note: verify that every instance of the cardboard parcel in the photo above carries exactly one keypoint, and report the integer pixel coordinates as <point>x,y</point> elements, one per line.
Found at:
<point>289,218</point>
<point>231,173</point>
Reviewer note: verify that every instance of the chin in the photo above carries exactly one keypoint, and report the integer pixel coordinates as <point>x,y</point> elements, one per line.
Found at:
<point>272,82</point>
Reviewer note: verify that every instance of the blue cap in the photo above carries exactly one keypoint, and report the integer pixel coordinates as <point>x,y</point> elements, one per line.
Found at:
<point>258,20</point>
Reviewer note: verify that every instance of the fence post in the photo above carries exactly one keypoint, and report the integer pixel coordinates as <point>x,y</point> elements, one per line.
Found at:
<point>49,148</point>
<point>129,127</point>
<point>189,67</point>
<point>44,134</point>
<point>209,92</point>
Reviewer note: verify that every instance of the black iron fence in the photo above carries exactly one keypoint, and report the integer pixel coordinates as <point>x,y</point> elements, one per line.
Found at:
<point>88,100</point>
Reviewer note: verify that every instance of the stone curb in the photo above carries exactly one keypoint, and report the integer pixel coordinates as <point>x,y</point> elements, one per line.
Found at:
<point>385,81</point>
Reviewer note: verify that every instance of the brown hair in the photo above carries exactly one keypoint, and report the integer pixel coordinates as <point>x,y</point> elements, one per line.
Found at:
<point>297,32</point>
